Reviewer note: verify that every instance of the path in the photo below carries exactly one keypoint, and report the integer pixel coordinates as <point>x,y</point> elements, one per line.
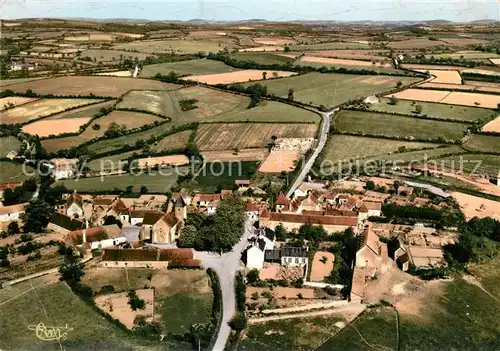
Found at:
<point>325,127</point>
<point>225,266</point>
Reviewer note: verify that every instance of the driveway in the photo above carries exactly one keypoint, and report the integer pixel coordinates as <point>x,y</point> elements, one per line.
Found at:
<point>226,266</point>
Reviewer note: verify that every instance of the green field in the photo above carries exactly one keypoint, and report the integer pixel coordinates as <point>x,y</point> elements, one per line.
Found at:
<point>483,143</point>
<point>378,328</point>
<point>467,114</point>
<point>346,147</point>
<point>467,55</point>
<point>7,144</point>
<point>290,334</point>
<point>262,58</point>
<point>155,183</point>
<point>422,155</point>
<point>332,89</point>
<point>13,172</point>
<point>329,46</point>
<point>398,126</point>
<point>490,164</point>
<point>223,175</point>
<point>187,68</point>
<point>175,46</point>
<point>112,55</point>
<point>350,66</point>
<point>86,111</point>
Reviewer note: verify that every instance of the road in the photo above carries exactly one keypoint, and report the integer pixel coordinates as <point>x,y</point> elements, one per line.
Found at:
<point>325,127</point>
<point>225,266</point>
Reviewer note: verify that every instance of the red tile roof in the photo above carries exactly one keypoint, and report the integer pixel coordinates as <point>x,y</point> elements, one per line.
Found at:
<point>95,234</point>
<point>282,199</point>
<point>313,219</point>
<point>74,198</point>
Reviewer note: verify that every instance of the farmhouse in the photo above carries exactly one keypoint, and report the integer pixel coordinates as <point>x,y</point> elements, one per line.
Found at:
<point>74,206</point>
<point>12,213</point>
<point>150,258</point>
<point>207,202</point>
<point>97,237</point>
<point>64,168</point>
<point>64,224</point>
<point>419,257</point>
<point>261,240</point>
<point>373,254</point>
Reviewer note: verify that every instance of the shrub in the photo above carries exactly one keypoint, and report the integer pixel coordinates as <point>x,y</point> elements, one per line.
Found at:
<point>238,322</point>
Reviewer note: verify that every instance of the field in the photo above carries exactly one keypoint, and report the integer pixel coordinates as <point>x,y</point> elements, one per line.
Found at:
<point>322,265</point>
<point>466,55</point>
<point>343,62</point>
<point>6,102</point>
<point>347,147</point>
<point>110,163</point>
<point>354,54</point>
<point>183,68</point>
<point>219,136</point>
<point>452,77</point>
<point>13,172</point>
<point>332,89</point>
<point>280,161</point>
<point>238,77</point>
<point>421,43</point>
<point>273,40</point>
<point>270,48</point>
<point>155,182</point>
<point>261,58</point>
<point>493,126</point>
<point>112,55</point>
<point>223,174</point>
<point>86,111</point>
<point>174,160</point>
<point>489,164</point>
<point>116,74</point>
<point>465,113</point>
<point>174,141</point>
<point>229,155</point>
<point>84,86</point>
<point>464,87</point>
<point>8,143</point>
<point>128,119</point>
<point>41,108</point>
<point>4,82</point>
<point>483,143</point>
<point>447,97</point>
<point>394,126</point>
<point>174,46</point>
<point>329,46</point>
<point>45,127</point>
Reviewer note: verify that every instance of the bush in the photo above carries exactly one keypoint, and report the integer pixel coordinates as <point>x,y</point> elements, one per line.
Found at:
<point>106,289</point>
<point>239,322</point>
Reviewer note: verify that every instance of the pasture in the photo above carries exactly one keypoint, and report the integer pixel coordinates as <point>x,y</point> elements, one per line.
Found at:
<point>221,136</point>
<point>465,55</point>
<point>110,163</point>
<point>483,143</point>
<point>11,172</point>
<point>172,142</point>
<point>41,108</point>
<point>84,86</point>
<point>239,76</point>
<point>47,127</point>
<point>114,56</point>
<point>8,143</point>
<point>123,118</point>
<point>179,46</point>
<point>83,112</point>
<point>184,68</point>
<point>344,62</point>
<point>5,82</point>
<point>262,58</point>
<point>447,97</point>
<point>332,89</point>
<point>381,55</point>
<point>442,111</point>
<point>489,164</point>
<point>398,126</point>
<point>417,43</point>
<point>329,46</point>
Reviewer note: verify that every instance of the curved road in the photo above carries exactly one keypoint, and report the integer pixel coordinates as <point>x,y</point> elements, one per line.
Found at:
<point>225,266</point>
<point>325,127</point>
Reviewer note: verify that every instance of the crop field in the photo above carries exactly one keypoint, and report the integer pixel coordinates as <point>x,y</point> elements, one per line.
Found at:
<point>84,86</point>
<point>155,182</point>
<point>493,71</point>
<point>447,97</point>
<point>420,43</point>
<point>220,136</point>
<point>5,82</point>
<point>465,113</point>
<point>380,55</point>
<point>174,160</point>
<point>183,68</point>
<point>112,55</point>
<point>464,87</point>
<point>343,62</point>
<point>230,155</point>
<point>329,46</point>
<point>239,76</point>
<point>110,163</point>
<point>7,102</point>
<point>116,74</point>
<point>273,40</point>
<point>490,164</point>
<point>261,58</point>
<point>482,84</point>
<point>267,48</point>
<point>332,89</point>
<point>172,142</point>
<point>8,143</point>
<point>346,147</point>
<point>417,66</point>
<point>451,77</point>
<point>483,143</point>
<point>82,112</point>
<point>41,108</point>
<point>13,172</point>
<point>398,126</point>
<point>280,161</point>
<point>47,127</point>
<point>175,46</point>
<point>128,119</point>
<point>493,126</point>
<point>466,55</point>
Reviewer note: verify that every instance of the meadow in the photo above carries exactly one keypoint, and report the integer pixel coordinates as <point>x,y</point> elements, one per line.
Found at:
<point>81,112</point>
<point>262,58</point>
<point>113,56</point>
<point>490,164</point>
<point>332,89</point>
<point>483,143</point>
<point>329,46</point>
<point>175,46</point>
<point>7,144</point>
<point>218,175</point>
<point>186,68</point>
<point>398,126</point>
<point>11,172</point>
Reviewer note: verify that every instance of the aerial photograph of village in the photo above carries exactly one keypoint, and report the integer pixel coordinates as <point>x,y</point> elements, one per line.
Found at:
<point>250,176</point>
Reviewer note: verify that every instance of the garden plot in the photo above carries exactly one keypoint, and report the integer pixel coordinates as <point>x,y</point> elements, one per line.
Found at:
<point>47,127</point>
<point>12,101</point>
<point>41,108</point>
<point>238,77</point>
<point>322,265</point>
<point>344,62</point>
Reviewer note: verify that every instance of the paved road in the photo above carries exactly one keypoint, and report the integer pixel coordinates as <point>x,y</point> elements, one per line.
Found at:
<point>226,266</point>
<point>325,127</point>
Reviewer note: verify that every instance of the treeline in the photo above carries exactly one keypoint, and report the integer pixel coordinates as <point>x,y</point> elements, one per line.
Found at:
<point>481,77</point>
<point>393,212</point>
<point>446,61</point>
<point>31,93</point>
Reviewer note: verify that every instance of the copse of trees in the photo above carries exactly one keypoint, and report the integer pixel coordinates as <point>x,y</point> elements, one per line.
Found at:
<point>20,194</point>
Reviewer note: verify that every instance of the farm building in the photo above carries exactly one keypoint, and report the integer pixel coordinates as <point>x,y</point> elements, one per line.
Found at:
<point>64,224</point>
<point>420,257</point>
<point>97,237</point>
<point>261,240</point>
<point>64,168</point>
<point>151,258</point>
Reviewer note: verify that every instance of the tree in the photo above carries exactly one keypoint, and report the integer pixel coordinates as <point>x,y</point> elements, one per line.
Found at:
<point>13,228</point>
<point>394,101</point>
<point>37,216</point>
<point>399,84</point>
<point>253,276</point>
<point>280,232</point>
<point>290,94</point>
<point>135,302</point>
<point>370,185</point>
<point>71,270</point>
<point>498,107</point>
<point>418,109</point>
<point>264,75</point>
<point>188,237</point>
<point>110,220</point>
<point>129,189</point>
<point>144,189</point>
<point>239,322</point>
<point>286,49</point>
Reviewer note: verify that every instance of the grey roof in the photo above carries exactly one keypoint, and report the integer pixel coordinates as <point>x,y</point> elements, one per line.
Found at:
<point>270,234</point>
<point>272,255</point>
<point>261,244</point>
<point>294,252</point>
<point>433,189</point>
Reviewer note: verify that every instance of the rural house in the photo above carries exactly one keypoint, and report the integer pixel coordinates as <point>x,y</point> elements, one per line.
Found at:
<point>61,223</point>
<point>64,168</point>
<point>288,256</point>
<point>74,206</point>
<point>12,213</point>
<point>97,237</point>
<point>373,254</point>
<point>253,256</point>
<point>207,202</point>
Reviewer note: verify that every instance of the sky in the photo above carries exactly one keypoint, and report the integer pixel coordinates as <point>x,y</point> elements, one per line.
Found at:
<point>272,10</point>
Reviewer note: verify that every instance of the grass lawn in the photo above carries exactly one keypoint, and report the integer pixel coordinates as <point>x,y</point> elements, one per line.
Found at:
<point>377,326</point>
<point>290,334</point>
<point>155,182</point>
<point>224,174</point>
<point>394,126</point>
<point>443,111</point>
<point>262,58</point>
<point>331,89</point>
<point>187,68</point>
<point>13,172</point>
<point>8,143</point>
<point>490,164</point>
<point>484,143</point>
